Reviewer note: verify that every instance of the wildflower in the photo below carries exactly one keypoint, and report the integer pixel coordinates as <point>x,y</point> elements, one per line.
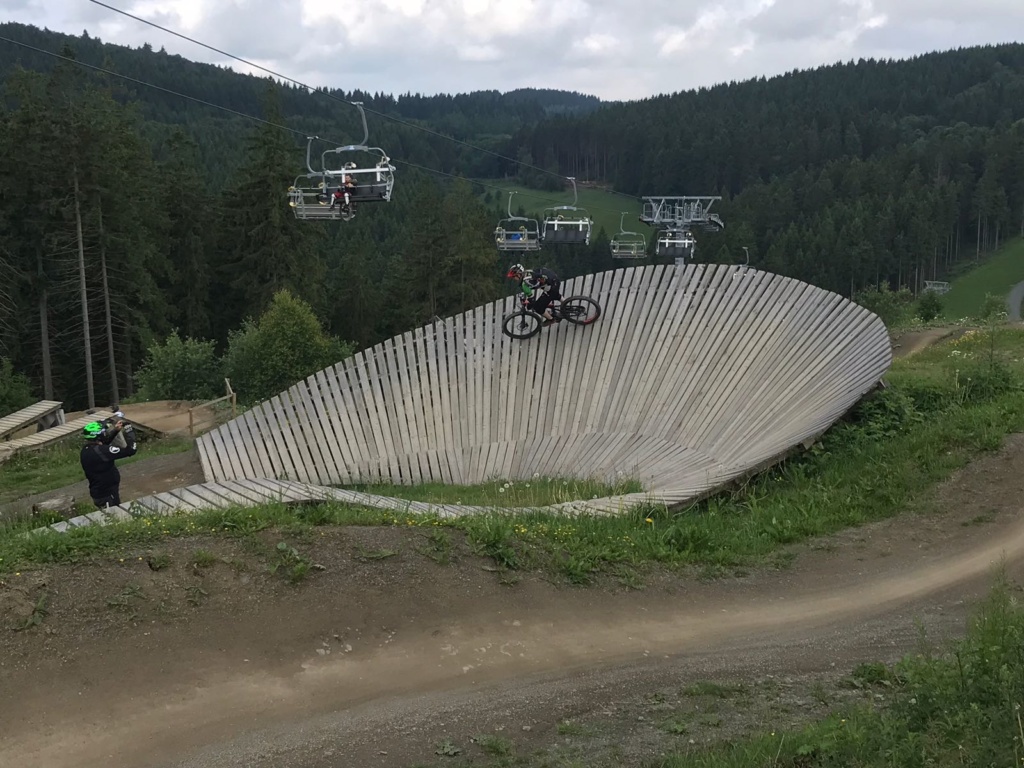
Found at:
<point>648,520</point>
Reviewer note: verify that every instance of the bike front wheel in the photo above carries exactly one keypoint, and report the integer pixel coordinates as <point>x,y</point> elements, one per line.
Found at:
<point>580,310</point>
<point>522,324</point>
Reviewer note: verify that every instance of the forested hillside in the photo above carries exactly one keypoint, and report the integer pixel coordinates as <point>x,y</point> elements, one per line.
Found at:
<point>165,213</point>
<point>847,175</point>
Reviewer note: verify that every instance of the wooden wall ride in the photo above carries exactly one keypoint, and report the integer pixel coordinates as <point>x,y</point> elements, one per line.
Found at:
<point>692,377</point>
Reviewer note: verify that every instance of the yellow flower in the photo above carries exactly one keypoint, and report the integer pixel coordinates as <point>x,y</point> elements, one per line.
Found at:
<point>648,520</point>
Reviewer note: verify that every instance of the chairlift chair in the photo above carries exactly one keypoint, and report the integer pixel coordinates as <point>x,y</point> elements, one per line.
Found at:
<point>628,245</point>
<point>567,223</point>
<point>517,233</point>
<point>676,244</point>
<point>370,169</point>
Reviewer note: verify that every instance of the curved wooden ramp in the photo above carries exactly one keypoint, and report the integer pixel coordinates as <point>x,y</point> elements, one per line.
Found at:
<point>692,377</point>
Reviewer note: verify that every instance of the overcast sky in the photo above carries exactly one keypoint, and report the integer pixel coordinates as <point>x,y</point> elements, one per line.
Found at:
<point>615,49</point>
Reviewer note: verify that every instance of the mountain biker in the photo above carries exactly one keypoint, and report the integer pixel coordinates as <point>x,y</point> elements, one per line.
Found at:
<point>98,457</point>
<point>541,287</point>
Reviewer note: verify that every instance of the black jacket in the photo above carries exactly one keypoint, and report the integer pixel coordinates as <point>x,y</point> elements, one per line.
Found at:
<point>98,464</point>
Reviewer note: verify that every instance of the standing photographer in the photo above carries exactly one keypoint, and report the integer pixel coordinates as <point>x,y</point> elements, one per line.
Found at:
<point>102,448</point>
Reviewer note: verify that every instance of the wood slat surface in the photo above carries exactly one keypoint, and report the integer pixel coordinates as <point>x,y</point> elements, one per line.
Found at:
<point>26,416</point>
<point>47,437</point>
<point>691,377</point>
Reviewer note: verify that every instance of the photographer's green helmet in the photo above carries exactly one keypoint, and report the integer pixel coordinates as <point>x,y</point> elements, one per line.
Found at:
<point>92,430</point>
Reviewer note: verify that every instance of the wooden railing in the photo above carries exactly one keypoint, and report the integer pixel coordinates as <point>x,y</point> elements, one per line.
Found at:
<point>229,396</point>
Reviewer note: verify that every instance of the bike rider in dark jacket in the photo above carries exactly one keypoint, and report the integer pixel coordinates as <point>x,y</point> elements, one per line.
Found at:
<point>98,457</point>
<point>541,288</point>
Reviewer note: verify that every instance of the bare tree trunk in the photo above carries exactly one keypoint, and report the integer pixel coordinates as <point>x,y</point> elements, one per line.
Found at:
<point>129,384</point>
<point>44,329</point>
<point>106,308</point>
<point>90,389</point>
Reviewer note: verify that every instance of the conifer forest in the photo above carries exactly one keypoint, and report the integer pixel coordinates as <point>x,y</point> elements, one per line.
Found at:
<point>130,213</point>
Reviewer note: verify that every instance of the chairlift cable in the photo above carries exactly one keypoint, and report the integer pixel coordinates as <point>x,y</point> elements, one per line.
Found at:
<point>225,109</point>
<point>335,98</point>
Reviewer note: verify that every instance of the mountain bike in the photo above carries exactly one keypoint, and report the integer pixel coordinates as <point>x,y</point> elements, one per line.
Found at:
<point>524,322</point>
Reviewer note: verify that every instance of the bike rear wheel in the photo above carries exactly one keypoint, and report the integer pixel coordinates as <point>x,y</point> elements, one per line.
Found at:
<point>522,324</point>
<point>580,310</point>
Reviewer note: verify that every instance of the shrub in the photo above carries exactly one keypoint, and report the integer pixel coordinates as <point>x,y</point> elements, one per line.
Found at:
<point>180,369</point>
<point>285,345</point>
<point>892,306</point>
<point>929,306</point>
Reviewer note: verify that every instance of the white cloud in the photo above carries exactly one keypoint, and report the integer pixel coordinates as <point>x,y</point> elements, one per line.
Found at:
<point>612,48</point>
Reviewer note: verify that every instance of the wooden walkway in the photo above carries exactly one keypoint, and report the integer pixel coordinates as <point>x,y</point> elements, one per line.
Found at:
<point>692,377</point>
<point>26,416</point>
<point>50,436</point>
<point>250,493</point>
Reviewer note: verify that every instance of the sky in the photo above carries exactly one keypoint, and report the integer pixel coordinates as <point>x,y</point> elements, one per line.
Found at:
<point>614,49</point>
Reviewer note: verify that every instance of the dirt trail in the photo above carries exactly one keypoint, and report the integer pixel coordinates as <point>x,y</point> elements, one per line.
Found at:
<point>415,650</point>
<point>912,342</point>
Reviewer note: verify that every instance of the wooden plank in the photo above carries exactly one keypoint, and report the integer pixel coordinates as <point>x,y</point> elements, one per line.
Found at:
<point>48,437</point>
<point>334,432</point>
<point>27,416</point>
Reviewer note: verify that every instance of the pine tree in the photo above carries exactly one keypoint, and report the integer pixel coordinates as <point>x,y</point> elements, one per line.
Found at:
<point>267,250</point>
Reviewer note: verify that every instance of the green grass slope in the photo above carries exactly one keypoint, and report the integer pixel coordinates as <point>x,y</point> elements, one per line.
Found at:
<point>996,275</point>
<point>605,207</point>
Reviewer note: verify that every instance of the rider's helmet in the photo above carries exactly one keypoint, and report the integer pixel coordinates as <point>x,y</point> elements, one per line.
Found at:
<point>92,431</point>
<point>516,271</point>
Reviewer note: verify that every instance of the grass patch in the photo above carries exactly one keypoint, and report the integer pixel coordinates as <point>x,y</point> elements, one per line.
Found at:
<point>996,275</point>
<point>26,474</point>
<point>962,707</point>
<point>537,492</point>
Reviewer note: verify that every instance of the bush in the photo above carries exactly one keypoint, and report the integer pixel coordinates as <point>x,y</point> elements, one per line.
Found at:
<point>179,369</point>
<point>892,306</point>
<point>15,390</point>
<point>284,346</point>
<point>885,414</point>
<point>929,306</point>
